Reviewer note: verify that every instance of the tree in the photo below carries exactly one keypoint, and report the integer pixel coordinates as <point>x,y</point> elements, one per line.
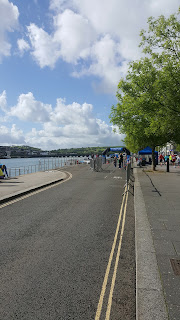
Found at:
<point>148,108</point>
<point>162,44</point>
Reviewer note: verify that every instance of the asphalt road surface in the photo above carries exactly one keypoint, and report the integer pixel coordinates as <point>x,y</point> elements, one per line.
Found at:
<point>57,259</point>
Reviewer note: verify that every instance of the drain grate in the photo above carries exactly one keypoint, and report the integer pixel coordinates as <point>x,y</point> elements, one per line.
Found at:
<point>176,266</point>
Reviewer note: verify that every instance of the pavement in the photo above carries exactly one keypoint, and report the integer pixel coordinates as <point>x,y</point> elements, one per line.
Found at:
<point>157,220</point>
<point>157,229</point>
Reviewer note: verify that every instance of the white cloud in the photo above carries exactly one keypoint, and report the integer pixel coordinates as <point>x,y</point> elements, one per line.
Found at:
<point>74,33</point>
<point>65,125</point>
<point>28,109</point>
<point>73,125</point>
<point>71,37</point>
<point>102,34</point>
<point>11,135</point>
<point>60,5</point>
<point>106,61</point>
<point>8,22</point>
<point>23,46</point>
<point>45,50</point>
<point>52,137</point>
<point>73,113</point>
<point>3,102</point>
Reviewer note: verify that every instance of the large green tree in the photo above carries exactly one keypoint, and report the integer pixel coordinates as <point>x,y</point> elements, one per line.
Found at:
<point>148,108</point>
<point>162,44</point>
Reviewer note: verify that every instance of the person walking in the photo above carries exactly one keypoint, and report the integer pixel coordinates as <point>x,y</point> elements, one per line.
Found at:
<point>115,161</point>
<point>178,160</point>
<point>161,159</point>
<point>165,158</point>
<point>120,159</point>
<point>173,160</point>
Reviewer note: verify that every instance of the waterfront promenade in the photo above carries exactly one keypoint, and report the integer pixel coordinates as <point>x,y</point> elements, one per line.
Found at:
<point>157,229</point>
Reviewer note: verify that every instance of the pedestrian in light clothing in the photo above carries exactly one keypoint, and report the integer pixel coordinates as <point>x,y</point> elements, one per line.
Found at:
<point>178,160</point>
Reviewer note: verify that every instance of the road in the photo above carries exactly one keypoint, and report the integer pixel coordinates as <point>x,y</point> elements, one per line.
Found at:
<point>55,249</point>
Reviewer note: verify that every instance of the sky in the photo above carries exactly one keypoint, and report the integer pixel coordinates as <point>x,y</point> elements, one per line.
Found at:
<point>60,64</point>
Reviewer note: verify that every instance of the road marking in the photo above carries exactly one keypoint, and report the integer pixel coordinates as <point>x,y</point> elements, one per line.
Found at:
<point>35,192</point>
<point>105,177</point>
<point>103,290</point>
<point>108,311</point>
<point>117,177</point>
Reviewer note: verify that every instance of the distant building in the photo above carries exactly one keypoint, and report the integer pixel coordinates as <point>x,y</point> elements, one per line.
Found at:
<point>5,152</point>
<point>168,148</point>
<point>44,153</point>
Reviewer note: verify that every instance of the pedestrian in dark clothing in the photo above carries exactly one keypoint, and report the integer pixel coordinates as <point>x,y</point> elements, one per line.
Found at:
<point>120,160</point>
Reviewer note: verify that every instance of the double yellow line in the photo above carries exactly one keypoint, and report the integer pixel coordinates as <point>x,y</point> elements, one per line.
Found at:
<point>122,216</point>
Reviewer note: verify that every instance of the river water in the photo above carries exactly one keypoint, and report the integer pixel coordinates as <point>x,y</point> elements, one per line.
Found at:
<point>18,166</point>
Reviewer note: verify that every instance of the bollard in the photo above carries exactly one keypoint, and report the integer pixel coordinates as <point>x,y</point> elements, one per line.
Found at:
<point>167,169</point>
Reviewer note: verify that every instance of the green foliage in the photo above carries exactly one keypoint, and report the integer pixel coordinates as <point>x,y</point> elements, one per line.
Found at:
<point>68,152</point>
<point>178,147</point>
<point>148,108</point>
<point>25,148</point>
<point>82,151</point>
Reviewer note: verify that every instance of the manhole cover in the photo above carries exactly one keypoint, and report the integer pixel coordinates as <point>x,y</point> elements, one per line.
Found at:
<point>176,266</point>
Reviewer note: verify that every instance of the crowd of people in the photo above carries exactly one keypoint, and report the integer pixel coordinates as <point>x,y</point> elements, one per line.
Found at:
<point>162,160</point>
<point>173,159</point>
<point>118,159</point>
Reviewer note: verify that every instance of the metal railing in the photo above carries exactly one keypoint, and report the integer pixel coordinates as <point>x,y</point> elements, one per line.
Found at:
<point>43,165</point>
<point>128,172</point>
<point>96,164</point>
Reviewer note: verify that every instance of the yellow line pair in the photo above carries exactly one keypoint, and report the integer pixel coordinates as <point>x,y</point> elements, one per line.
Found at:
<point>122,216</point>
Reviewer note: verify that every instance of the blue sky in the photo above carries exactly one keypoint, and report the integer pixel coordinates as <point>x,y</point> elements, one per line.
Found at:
<point>60,64</point>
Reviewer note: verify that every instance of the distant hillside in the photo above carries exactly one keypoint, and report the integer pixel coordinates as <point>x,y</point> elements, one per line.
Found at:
<point>26,151</point>
<point>83,151</point>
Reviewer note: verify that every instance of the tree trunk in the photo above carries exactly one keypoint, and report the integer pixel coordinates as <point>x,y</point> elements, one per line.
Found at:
<point>153,159</point>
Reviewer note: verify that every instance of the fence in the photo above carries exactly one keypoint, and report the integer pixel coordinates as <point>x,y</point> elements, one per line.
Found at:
<point>128,172</point>
<point>96,164</point>
<point>43,165</point>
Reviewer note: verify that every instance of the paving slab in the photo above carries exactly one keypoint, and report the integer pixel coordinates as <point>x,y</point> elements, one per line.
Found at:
<point>150,302</point>
<point>161,206</point>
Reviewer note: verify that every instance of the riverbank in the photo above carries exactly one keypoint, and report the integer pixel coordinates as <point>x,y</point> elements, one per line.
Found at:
<point>21,166</point>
